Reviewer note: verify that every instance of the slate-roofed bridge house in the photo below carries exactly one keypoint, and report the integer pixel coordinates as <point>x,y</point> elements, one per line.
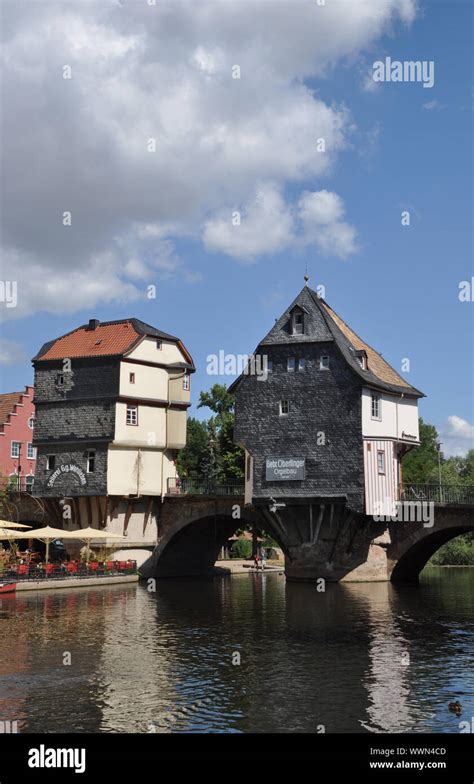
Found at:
<point>111,401</point>
<point>328,423</point>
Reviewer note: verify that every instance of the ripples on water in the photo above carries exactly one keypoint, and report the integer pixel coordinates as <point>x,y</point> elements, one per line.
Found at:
<point>359,657</point>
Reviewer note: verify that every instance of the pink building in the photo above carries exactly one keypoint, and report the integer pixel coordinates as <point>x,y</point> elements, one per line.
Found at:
<point>17,454</point>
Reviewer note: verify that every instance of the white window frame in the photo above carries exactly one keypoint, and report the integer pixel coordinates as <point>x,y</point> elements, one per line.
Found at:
<point>29,485</point>
<point>381,469</point>
<point>16,481</point>
<point>91,455</point>
<point>133,411</point>
<point>288,362</point>
<point>30,451</point>
<point>12,453</point>
<point>269,365</point>
<point>31,420</point>
<point>186,382</point>
<point>48,458</point>
<point>376,405</point>
<point>322,364</point>
<point>284,403</point>
<point>301,365</point>
<point>296,330</point>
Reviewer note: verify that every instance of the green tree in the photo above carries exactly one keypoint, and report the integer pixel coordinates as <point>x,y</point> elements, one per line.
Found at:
<point>229,457</point>
<point>420,466</point>
<point>192,459</point>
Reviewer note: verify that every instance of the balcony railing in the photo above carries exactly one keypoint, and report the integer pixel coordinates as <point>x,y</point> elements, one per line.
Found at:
<point>61,571</point>
<point>16,484</point>
<point>201,486</point>
<point>438,494</point>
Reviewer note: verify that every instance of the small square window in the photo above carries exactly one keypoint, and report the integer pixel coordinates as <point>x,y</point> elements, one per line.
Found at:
<point>159,345</point>
<point>301,364</point>
<point>269,365</point>
<point>284,407</point>
<point>50,462</point>
<point>186,383</point>
<point>324,363</point>
<point>131,378</point>
<point>60,379</point>
<point>290,365</point>
<point>31,452</point>
<point>132,415</point>
<point>381,462</point>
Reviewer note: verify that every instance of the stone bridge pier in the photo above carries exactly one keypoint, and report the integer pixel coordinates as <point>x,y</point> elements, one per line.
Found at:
<point>321,539</point>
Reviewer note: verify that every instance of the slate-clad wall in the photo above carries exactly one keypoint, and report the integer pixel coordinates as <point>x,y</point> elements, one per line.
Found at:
<point>324,401</point>
<point>72,419</point>
<point>91,378</point>
<point>67,482</point>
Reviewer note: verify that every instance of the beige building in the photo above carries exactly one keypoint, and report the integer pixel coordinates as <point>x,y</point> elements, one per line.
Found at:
<point>111,408</point>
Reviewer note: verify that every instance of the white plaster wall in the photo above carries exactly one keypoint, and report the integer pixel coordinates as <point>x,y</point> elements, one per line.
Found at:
<point>391,406</point>
<point>151,428</point>
<point>123,477</point>
<point>148,351</point>
<point>150,382</point>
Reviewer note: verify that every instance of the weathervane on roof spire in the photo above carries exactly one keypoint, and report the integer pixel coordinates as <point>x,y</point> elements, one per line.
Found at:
<point>306,277</point>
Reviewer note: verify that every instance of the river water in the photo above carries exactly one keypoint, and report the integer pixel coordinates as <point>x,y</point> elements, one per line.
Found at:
<point>356,658</point>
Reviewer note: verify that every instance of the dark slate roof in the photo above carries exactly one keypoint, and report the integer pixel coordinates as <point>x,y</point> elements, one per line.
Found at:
<point>323,325</point>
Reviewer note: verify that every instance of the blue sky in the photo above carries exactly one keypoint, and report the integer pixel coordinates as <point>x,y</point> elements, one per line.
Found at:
<point>405,148</point>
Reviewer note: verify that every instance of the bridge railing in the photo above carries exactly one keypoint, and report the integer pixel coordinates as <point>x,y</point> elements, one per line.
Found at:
<point>198,486</point>
<point>438,494</point>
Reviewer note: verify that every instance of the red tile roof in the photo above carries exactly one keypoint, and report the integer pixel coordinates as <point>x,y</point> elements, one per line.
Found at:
<point>7,403</point>
<point>105,339</point>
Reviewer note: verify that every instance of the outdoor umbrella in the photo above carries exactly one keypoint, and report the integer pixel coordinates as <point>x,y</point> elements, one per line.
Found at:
<point>87,535</point>
<point>46,535</point>
<point>8,524</point>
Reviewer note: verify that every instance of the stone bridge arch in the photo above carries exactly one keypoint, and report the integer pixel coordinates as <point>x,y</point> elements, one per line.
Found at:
<point>21,507</point>
<point>412,545</point>
<point>192,531</point>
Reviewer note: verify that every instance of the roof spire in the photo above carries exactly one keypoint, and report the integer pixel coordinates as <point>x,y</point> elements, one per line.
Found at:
<point>306,276</point>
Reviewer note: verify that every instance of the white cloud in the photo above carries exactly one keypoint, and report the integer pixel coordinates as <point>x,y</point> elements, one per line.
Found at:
<point>457,436</point>
<point>322,216</point>
<point>11,353</point>
<point>430,105</point>
<point>269,224</point>
<point>164,72</point>
<point>266,226</point>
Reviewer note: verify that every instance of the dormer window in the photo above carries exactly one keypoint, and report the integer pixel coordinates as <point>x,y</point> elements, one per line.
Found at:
<point>297,322</point>
<point>290,364</point>
<point>361,358</point>
<point>324,363</point>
